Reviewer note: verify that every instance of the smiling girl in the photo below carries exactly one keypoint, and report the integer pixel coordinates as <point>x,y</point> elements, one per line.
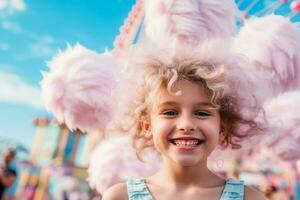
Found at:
<point>191,95</point>
<point>184,112</point>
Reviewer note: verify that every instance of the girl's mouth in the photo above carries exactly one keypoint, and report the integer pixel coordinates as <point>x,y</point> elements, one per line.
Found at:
<point>186,142</point>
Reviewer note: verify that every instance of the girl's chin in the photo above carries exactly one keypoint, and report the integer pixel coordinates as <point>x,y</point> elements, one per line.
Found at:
<point>188,160</point>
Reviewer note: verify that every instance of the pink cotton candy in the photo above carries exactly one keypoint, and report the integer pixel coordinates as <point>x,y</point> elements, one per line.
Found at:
<point>78,87</point>
<point>190,21</point>
<point>283,117</point>
<point>115,161</point>
<point>244,87</point>
<point>271,44</point>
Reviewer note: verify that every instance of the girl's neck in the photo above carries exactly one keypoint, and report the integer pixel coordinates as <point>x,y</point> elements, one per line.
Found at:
<point>178,176</point>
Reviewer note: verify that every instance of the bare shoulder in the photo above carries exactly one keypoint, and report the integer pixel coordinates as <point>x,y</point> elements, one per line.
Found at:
<point>252,193</point>
<point>116,192</point>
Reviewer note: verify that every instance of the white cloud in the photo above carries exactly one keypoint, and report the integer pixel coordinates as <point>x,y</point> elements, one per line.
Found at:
<point>14,89</point>
<point>4,46</point>
<point>13,5</point>
<point>9,7</point>
<point>11,26</point>
<point>18,5</point>
<point>43,48</point>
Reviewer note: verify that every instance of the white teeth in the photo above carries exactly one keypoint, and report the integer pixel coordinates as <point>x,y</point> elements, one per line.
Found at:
<point>186,142</point>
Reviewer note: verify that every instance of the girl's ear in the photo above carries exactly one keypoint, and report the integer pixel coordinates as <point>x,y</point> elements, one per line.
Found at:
<point>146,128</point>
<point>145,124</point>
<point>222,136</point>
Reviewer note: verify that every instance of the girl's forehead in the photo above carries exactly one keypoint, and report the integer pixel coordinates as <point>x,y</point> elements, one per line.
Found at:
<point>183,92</point>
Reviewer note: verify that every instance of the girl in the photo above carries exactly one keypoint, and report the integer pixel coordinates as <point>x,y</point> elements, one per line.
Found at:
<point>185,112</point>
<point>186,106</point>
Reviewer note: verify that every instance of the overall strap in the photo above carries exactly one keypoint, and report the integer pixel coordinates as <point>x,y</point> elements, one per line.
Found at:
<point>234,190</point>
<point>137,190</point>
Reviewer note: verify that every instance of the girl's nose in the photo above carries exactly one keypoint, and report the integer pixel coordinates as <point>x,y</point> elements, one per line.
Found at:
<point>185,124</point>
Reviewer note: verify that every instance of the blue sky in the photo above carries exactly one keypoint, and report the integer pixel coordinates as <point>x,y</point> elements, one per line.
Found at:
<point>31,32</point>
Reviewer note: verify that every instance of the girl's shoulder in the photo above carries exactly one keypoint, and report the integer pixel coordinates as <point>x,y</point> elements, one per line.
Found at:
<point>236,189</point>
<point>116,192</point>
<point>252,193</point>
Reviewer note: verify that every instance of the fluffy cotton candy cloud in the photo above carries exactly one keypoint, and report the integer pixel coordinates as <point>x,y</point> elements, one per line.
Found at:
<point>78,87</point>
<point>114,160</point>
<point>14,89</point>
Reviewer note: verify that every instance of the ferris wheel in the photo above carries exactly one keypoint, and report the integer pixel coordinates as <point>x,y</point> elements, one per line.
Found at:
<point>247,9</point>
<point>259,8</point>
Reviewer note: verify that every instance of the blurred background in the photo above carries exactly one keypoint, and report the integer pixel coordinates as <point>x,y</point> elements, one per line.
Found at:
<point>42,159</point>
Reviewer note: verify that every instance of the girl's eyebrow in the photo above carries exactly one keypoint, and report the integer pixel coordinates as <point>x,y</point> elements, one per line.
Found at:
<point>169,103</point>
<point>199,104</point>
<point>206,104</point>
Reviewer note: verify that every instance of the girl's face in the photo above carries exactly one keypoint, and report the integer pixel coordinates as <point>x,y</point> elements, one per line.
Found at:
<point>185,128</point>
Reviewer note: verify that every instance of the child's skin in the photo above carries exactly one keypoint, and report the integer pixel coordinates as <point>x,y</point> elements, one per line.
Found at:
<point>184,173</point>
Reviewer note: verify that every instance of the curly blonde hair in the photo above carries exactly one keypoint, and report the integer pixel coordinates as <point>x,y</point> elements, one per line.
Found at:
<point>159,75</point>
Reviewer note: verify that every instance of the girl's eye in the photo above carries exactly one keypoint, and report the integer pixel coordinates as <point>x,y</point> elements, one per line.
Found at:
<point>170,113</point>
<point>202,113</point>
